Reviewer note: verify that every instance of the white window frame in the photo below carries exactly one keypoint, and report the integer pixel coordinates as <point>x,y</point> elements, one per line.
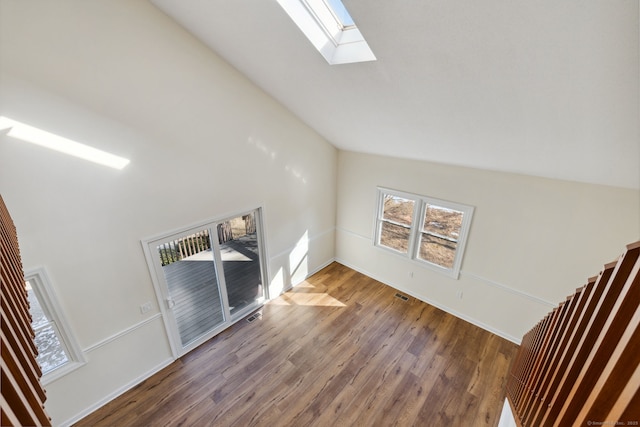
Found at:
<point>336,42</point>
<point>44,292</point>
<point>419,211</point>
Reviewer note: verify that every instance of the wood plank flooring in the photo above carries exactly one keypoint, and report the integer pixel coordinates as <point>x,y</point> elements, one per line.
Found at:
<point>338,350</point>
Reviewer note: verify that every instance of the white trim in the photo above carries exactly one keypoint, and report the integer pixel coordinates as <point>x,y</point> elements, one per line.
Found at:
<point>353,233</point>
<point>509,289</point>
<point>150,372</point>
<point>108,398</point>
<point>436,304</point>
<point>60,372</point>
<point>493,283</point>
<point>122,333</point>
<point>160,297</point>
<point>201,223</point>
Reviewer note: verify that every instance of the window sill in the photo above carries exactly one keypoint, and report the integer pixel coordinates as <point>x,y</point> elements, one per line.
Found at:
<point>60,372</point>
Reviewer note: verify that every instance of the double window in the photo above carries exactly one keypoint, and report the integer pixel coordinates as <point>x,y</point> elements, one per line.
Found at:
<point>428,230</point>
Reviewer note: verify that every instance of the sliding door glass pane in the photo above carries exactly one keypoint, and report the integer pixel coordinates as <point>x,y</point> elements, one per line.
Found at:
<point>239,250</point>
<point>192,282</point>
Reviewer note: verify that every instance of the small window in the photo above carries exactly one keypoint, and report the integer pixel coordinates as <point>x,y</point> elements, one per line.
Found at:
<point>58,353</point>
<point>427,230</point>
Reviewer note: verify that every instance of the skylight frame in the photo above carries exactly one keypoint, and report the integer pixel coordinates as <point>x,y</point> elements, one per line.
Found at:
<point>337,43</point>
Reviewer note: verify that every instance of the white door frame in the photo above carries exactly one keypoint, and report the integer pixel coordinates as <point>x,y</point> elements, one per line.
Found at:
<point>162,291</point>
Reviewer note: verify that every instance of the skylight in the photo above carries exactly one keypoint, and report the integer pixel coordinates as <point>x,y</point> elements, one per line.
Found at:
<point>329,27</point>
<point>341,12</point>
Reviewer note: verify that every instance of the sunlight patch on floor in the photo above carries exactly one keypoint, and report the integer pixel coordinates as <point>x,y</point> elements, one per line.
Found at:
<point>312,299</point>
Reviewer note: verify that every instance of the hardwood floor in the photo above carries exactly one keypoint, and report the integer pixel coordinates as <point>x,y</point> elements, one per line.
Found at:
<point>338,350</point>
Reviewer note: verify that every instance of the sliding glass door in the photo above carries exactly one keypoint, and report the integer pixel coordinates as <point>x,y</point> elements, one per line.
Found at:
<point>207,277</point>
<point>240,256</point>
<point>193,291</point>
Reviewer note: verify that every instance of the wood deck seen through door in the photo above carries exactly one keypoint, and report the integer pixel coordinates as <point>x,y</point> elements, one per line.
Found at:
<point>338,350</point>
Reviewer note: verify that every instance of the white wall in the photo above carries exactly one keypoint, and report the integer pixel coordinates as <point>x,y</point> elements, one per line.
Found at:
<point>506,416</point>
<point>203,142</point>
<point>532,240</point>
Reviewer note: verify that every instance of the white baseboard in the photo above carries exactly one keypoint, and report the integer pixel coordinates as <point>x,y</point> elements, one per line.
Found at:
<point>167,362</point>
<point>149,373</point>
<point>99,404</point>
<point>436,304</point>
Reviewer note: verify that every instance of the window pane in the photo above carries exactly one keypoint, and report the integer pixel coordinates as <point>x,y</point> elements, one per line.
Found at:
<point>341,12</point>
<point>241,264</point>
<point>395,237</point>
<point>192,283</point>
<point>51,355</point>
<point>437,251</point>
<point>443,222</point>
<point>398,209</point>
<point>38,317</point>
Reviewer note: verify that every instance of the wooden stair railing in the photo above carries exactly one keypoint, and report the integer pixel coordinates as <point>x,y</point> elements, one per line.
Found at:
<point>22,398</point>
<point>580,365</point>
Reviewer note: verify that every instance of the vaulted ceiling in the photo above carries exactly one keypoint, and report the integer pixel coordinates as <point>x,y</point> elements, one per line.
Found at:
<point>546,88</point>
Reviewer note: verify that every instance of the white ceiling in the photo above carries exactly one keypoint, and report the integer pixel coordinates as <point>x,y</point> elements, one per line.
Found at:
<point>546,88</point>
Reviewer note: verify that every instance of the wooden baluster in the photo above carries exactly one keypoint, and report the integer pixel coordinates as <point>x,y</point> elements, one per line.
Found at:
<point>626,407</point>
<point>596,321</point>
<point>525,350</point>
<point>534,370</point>
<point>548,354</point>
<point>575,309</point>
<point>516,370</point>
<point>22,398</point>
<point>581,362</point>
<point>608,338</point>
<point>584,317</point>
<point>531,358</point>
<point>619,380</point>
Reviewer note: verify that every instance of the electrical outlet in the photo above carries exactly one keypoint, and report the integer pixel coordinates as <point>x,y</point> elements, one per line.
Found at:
<point>145,308</point>
<point>459,294</point>
<point>411,274</point>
